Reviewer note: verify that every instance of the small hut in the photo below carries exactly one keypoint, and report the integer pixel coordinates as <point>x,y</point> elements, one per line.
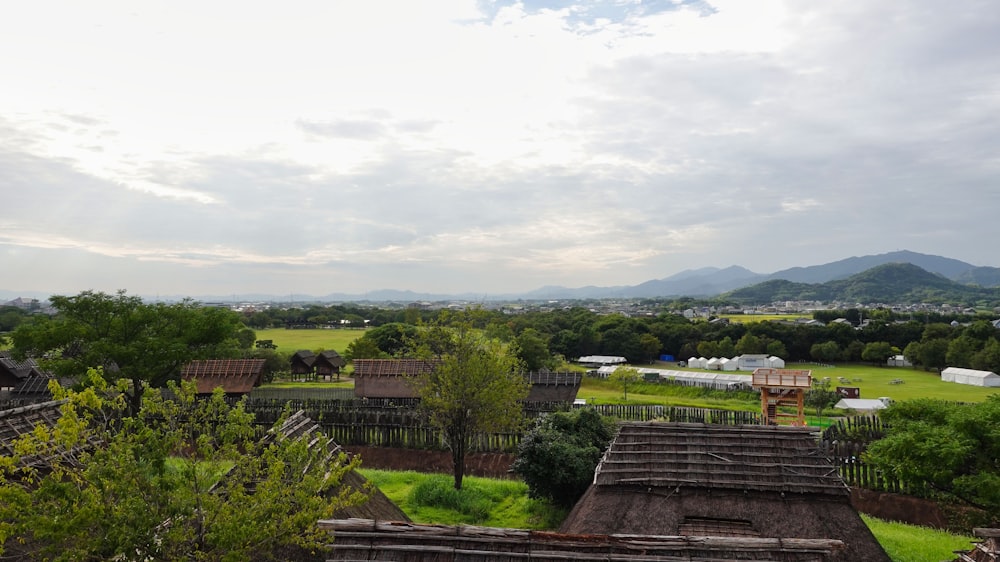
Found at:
<point>236,376</point>
<point>302,363</point>
<point>328,364</point>
<point>726,481</point>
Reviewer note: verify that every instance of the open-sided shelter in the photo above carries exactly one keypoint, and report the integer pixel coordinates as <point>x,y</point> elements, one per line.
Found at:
<point>236,376</point>
<point>730,481</point>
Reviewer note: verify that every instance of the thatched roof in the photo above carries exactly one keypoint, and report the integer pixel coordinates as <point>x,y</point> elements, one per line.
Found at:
<point>235,376</point>
<point>330,358</point>
<point>392,367</point>
<point>20,421</point>
<point>679,478</point>
<point>359,539</point>
<point>302,361</point>
<point>300,426</point>
<point>988,550</point>
<point>13,371</point>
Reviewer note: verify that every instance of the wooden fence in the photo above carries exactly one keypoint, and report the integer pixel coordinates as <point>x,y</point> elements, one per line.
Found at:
<point>844,443</point>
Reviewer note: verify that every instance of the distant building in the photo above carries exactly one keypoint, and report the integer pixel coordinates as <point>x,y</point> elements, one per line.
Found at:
<point>970,377</point>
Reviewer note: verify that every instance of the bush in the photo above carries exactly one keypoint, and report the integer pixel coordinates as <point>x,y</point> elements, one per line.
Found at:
<point>557,457</point>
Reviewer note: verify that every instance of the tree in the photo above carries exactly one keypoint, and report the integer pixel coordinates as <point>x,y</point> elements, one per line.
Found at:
<point>650,346</point>
<point>363,348</point>
<point>877,352</point>
<point>146,493</point>
<point>477,387</point>
<point>821,396</point>
<point>144,343</point>
<point>828,352</point>
<point>558,455</point>
<point>947,447</point>
<point>626,377</point>
<point>532,350</point>
<point>750,343</point>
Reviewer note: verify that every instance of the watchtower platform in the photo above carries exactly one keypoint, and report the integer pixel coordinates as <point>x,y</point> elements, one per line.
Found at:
<point>782,388</point>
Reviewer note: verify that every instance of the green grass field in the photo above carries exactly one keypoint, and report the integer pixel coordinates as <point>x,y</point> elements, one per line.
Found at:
<point>290,341</point>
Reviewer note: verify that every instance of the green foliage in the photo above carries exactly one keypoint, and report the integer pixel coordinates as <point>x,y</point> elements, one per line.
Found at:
<point>821,396</point>
<point>949,448</point>
<point>144,343</point>
<point>877,352</point>
<point>145,493</point>
<point>532,350</point>
<point>440,492</point>
<point>476,387</point>
<point>625,377</point>
<point>558,455</point>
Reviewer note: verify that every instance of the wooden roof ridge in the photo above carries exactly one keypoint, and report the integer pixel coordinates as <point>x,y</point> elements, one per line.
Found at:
<point>223,367</point>
<point>743,458</point>
<point>393,367</point>
<point>385,540</point>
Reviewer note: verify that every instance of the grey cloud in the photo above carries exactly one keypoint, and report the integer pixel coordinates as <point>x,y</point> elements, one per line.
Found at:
<point>348,129</point>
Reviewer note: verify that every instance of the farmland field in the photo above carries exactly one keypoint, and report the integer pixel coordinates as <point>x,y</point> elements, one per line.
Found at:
<point>290,341</point>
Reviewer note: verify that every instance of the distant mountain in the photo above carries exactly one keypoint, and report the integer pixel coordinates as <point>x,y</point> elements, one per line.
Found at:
<point>841,269</point>
<point>699,283</point>
<point>886,283</point>
<point>982,276</point>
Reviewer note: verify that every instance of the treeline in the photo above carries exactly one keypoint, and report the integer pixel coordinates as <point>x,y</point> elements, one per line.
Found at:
<point>543,338</point>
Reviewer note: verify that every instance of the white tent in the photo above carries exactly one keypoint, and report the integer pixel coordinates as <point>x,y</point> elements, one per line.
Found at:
<point>776,362</point>
<point>713,364</point>
<point>751,361</point>
<point>728,364</point>
<point>970,377</point>
<point>860,404</point>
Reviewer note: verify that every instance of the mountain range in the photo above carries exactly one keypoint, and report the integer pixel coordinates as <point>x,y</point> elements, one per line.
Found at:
<point>834,280</point>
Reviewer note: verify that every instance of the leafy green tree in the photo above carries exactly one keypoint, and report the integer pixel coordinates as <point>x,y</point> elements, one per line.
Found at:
<point>144,343</point>
<point>726,347</point>
<point>988,358</point>
<point>363,348</point>
<point>183,479</point>
<point>877,352</point>
<point>392,338</point>
<point>708,349</point>
<point>650,347</point>
<point>776,348</point>
<point>947,447</point>
<point>961,351</point>
<point>532,350</point>
<point>558,455</point>
<point>932,353</point>
<point>626,377</point>
<point>750,343</point>
<point>477,387</point>
<point>821,396</point>
<point>827,352</point>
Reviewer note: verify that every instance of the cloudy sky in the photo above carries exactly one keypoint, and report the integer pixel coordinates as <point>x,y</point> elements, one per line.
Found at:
<point>191,147</point>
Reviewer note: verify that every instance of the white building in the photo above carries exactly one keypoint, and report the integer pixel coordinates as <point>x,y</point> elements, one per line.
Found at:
<point>970,377</point>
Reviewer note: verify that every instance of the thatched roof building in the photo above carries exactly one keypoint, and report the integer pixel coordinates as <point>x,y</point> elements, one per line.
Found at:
<point>235,376</point>
<point>359,539</point>
<point>388,378</point>
<point>553,387</point>
<point>329,363</point>
<point>20,421</point>
<point>988,550</point>
<point>735,481</point>
<point>14,372</point>
<point>300,426</point>
<point>302,362</point>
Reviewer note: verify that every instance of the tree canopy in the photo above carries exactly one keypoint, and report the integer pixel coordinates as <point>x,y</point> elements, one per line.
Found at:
<point>144,489</point>
<point>950,448</point>
<point>144,343</point>
<point>476,387</point>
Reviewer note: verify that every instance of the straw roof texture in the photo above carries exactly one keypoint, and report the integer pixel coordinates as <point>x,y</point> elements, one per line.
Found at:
<point>359,539</point>
<point>235,376</point>
<point>679,478</point>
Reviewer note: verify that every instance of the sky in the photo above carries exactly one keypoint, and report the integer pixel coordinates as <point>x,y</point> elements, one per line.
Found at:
<point>223,148</point>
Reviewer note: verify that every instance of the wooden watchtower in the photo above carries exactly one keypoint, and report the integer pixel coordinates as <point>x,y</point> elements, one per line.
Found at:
<point>782,387</point>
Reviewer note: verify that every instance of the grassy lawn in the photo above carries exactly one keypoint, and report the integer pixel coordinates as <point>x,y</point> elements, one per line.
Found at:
<point>875,382</point>
<point>432,498</point>
<point>910,543</point>
<point>290,341</point>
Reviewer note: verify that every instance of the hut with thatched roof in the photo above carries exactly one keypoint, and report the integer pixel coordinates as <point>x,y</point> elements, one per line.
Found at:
<point>14,372</point>
<point>302,362</point>
<point>328,364</point>
<point>16,422</point>
<point>388,378</point>
<point>553,387</point>
<point>729,481</point>
<point>236,376</point>
<point>360,539</point>
<point>987,550</point>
